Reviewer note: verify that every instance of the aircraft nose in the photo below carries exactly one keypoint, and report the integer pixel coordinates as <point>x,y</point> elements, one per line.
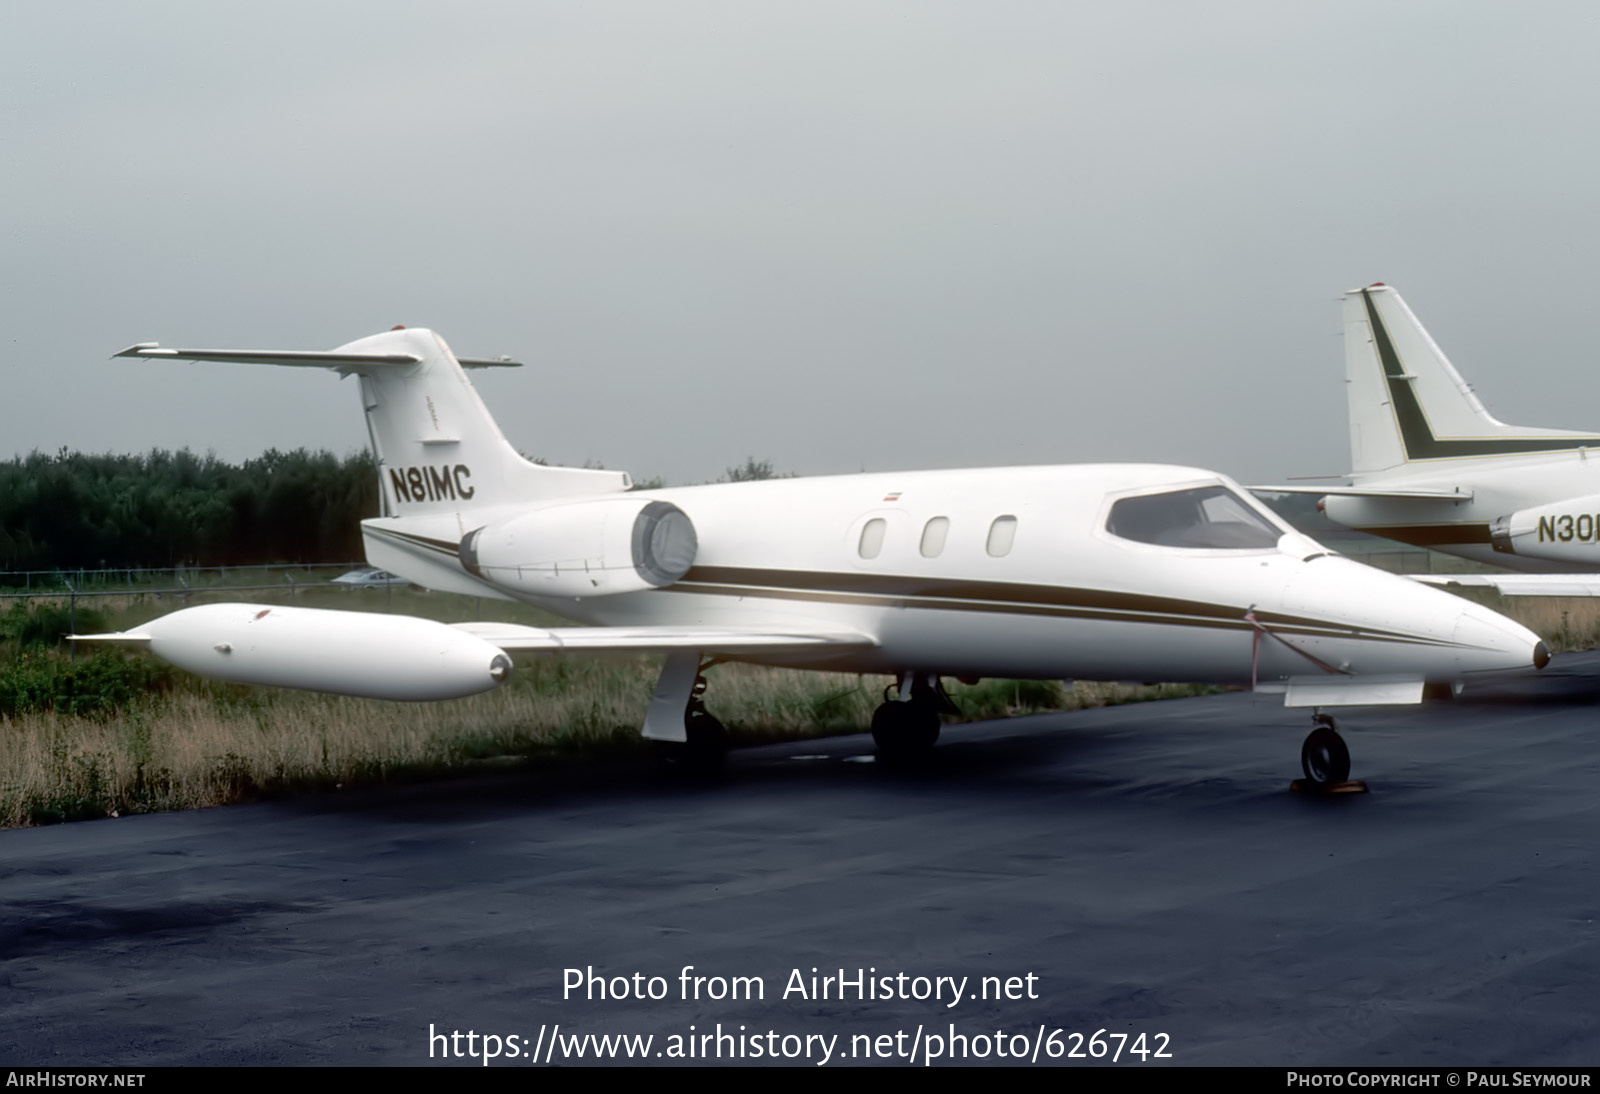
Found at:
<point>1489,641</point>
<point>1428,631</point>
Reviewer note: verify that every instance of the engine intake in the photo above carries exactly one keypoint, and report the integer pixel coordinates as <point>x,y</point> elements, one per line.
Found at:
<point>1500,537</point>
<point>599,547</point>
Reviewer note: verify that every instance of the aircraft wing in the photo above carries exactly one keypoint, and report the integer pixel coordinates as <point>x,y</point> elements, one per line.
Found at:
<point>382,656</point>
<point>1518,584</point>
<point>513,637</point>
<point>1367,492</point>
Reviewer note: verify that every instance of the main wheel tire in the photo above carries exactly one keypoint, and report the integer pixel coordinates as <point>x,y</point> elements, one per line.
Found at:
<point>708,738</point>
<point>1324,757</point>
<point>703,750</point>
<point>904,729</point>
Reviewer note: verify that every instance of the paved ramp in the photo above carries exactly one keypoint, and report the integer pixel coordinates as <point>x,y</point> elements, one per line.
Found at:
<point>1146,865</point>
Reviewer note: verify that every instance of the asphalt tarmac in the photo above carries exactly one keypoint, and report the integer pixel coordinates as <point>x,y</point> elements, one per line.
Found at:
<point>1142,871</point>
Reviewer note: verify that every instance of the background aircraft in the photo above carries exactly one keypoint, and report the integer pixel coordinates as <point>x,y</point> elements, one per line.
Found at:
<point>1430,466</point>
<point>1092,571</point>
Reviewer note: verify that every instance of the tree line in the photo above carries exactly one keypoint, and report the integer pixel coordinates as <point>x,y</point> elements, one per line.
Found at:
<point>159,509</point>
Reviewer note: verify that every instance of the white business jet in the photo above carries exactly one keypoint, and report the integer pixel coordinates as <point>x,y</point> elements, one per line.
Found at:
<point>1116,572</point>
<point>1430,466</point>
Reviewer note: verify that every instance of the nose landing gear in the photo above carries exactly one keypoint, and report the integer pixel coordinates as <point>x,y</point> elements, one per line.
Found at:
<point>1325,759</point>
<point>907,724</point>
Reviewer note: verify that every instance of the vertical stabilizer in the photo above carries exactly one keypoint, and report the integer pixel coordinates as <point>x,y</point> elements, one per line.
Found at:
<point>1409,405</point>
<point>438,449</point>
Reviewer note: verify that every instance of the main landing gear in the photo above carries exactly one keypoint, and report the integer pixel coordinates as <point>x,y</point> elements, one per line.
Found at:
<point>907,722</point>
<point>1325,759</point>
<point>705,739</point>
<point>684,733</point>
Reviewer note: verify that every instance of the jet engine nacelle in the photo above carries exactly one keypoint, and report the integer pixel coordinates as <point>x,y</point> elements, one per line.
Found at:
<point>1565,531</point>
<point>597,547</point>
<point>345,653</point>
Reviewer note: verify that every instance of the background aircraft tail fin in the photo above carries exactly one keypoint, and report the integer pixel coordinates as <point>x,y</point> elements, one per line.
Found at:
<point>1409,405</point>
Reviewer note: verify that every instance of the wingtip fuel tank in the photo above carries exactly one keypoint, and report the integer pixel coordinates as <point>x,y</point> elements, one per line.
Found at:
<point>346,653</point>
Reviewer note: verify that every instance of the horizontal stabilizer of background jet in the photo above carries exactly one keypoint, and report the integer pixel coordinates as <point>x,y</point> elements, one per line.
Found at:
<point>1367,492</point>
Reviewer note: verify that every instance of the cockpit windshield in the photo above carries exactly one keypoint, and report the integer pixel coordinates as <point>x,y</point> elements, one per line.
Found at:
<point>1209,516</point>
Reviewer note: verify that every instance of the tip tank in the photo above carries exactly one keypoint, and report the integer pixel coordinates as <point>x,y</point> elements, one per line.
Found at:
<point>345,653</point>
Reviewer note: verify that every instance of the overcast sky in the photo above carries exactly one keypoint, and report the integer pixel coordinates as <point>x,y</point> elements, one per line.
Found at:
<point>832,235</point>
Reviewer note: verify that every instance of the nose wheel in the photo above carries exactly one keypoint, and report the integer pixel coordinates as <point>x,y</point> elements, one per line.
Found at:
<point>1325,759</point>
<point>904,729</point>
<point>906,724</point>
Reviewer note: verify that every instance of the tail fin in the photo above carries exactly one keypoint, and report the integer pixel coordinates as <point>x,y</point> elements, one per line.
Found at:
<point>438,449</point>
<point>1408,404</point>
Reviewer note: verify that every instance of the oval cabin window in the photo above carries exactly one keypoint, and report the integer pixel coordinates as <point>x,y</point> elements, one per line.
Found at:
<point>1002,533</point>
<point>933,536</point>
<point>872,537</point>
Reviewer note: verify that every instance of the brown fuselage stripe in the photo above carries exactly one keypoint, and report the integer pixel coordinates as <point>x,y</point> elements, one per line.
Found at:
<point>895,591</point>
<point>900,585</point>
<point>438,546</point>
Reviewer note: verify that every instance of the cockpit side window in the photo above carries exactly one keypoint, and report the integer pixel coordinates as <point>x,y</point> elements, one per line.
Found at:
<point>1208,517</point>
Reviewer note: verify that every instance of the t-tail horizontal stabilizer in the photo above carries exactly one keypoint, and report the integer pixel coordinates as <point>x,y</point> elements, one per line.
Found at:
<point>344,362</point>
